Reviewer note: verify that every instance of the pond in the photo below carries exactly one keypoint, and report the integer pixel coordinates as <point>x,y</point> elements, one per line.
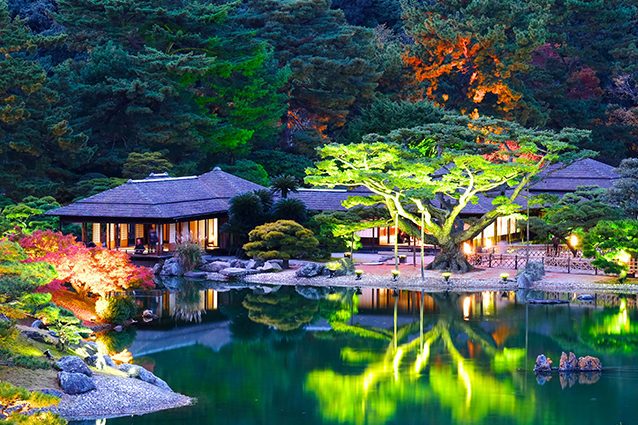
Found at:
<point>286,355</point>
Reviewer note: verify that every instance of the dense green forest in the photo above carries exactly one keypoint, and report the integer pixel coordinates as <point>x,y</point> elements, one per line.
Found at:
<point>96,91</point>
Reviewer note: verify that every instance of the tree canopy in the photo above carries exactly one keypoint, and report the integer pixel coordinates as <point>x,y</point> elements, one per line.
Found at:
<point>439,187</point>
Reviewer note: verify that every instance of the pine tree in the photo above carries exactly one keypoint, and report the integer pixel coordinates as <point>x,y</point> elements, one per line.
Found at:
<point>330,63</point>
<point>473,54</point>
<point>37,148</point>
<point>182,78</point>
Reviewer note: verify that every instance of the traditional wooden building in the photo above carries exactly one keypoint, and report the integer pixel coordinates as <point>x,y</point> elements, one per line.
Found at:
<point>174,207</point>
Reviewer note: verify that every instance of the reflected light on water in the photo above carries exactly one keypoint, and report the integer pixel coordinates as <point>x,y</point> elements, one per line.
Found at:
<point>488,298</point>
<point>422,359</point>
<point>466,380</point>
<point>467,302</point>
<point>395,364</point>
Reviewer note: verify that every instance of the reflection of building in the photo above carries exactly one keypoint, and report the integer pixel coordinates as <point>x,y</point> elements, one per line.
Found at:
<point>164,303</point>
<point>175,208</point>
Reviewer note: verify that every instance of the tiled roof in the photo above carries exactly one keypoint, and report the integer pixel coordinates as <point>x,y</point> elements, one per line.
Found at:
<point>163,198</point>
<point>582,173</point>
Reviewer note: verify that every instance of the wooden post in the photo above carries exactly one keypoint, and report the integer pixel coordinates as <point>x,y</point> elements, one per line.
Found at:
<point>85,233</point>
<point>490,260</point>
<point>515,261</point>
<point>568,264</point>
<point>160,239</point>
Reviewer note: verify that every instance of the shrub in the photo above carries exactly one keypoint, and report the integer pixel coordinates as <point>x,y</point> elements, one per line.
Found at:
<point>115,342</point>
<point>189,254</point>
<point>116,309</point>
<point>284,239</point>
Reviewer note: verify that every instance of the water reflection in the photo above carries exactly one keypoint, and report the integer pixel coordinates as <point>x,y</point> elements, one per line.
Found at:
<point>335,356</point>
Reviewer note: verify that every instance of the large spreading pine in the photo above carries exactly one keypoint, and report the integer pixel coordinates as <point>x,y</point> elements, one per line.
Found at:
<point>432,191</point>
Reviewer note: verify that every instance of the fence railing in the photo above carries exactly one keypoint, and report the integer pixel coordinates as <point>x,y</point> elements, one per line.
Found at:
<point>519,260</point>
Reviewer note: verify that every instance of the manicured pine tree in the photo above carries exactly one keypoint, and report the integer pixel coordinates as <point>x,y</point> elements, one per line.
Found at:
<point>330,63</point>
<point>37,149</point>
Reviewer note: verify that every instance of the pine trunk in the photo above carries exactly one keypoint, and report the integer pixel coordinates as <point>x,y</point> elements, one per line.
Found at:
<point>451,258</point>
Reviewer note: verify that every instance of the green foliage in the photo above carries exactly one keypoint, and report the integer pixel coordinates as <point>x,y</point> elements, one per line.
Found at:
<point>283,239</point>
<point>86,188</point>
<point>246,212</point>
<point>612,244</point>
<point>383,116</point>
<point>141,165</point>
<point>575,212</point>
<point>290,209</point>
<point>69,330</point>
<point>406,182</point>
<point>16,401</point>
<point>18,277</point>
<point>189,254</point>
<point>114,342</point>
<point>283,184</point>
<point>342,225</point>
<point>249,170</point>
<point>284,309</point>
<point>27,216</point>
<point>277,162</point>
<point>37,148</point>
<point>624,192</point>
<point>329,60</point>
<point>116,309</point>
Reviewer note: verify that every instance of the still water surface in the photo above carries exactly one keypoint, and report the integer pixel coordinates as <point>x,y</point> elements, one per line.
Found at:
<point>308,356</point>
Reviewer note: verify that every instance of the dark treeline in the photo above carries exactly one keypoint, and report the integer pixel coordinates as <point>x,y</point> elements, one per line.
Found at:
<point>93,91</point>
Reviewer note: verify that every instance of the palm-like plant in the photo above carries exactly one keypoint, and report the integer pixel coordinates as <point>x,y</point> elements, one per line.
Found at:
<point>290,209</point>
<point>283,184</point>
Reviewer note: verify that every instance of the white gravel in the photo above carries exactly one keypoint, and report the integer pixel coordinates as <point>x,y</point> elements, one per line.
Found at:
<point>116,396</point>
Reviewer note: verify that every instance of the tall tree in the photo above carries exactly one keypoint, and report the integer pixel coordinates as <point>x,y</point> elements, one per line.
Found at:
<point>433,191</point>
<point>624,192</point>
<point>329,61</point>
<point>181,77</point>
<point>37,148</point>
<point>472,54</point>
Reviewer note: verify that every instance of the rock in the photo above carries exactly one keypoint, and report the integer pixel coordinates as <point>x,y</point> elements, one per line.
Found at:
<point>543,364</point>
<point>253,264</point>
<point>42,337</point>
<point>280,262</point>
<point>49,391</point>
<point>535,270</point>
<point>196,275</point>
<point>109,361</point>
<point>312,292</point>
<point>157,268</point>
<point>37,324</point>
<point>3,318</point>
<point>568,364</point>
<point>84,348</point>
<point>215,266</point>
<point>172,268</point>
<point>589,364</point>
<point>235,272</point>
<point>548,301</point>
<point>148,316</point>
<point>310,270</point>
<point>523,281</point>
<point>216,276</point>
<point>73,364</point>
<point>586,297</point>
<point>135,371</point>
<point>270,267</point>
<point>75,383</point>
<point>237,263</point>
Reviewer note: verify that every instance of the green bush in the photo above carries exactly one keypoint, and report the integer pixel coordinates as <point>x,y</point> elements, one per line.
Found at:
<point>116,309</point>
<point>115,342</point>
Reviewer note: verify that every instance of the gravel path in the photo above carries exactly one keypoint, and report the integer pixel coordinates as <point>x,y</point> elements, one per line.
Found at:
<point>380,276</point>
<point>116,397</point>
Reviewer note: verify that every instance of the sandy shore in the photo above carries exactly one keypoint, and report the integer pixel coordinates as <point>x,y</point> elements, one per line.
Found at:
<point>116,397</point>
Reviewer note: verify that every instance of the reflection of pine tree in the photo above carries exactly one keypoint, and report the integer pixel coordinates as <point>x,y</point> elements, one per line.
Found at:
<point>284,309</point>
<point>188,304</point>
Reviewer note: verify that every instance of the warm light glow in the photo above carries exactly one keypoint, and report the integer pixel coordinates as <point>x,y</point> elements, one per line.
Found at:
<point>368,380</point>
<point>466,307</point>
<point>359,272</point>
<point>487,302</point>
<point>467,248</point>
<point>623,257</point>
<point>573,240</point>
<point>504,276</point>
<point>422,359</point>
<point>396,272</point>
<point>488,242</point>
<point>446,275</point>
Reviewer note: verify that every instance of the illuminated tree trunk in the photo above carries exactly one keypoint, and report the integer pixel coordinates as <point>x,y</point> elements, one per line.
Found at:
<point>451,258</point>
